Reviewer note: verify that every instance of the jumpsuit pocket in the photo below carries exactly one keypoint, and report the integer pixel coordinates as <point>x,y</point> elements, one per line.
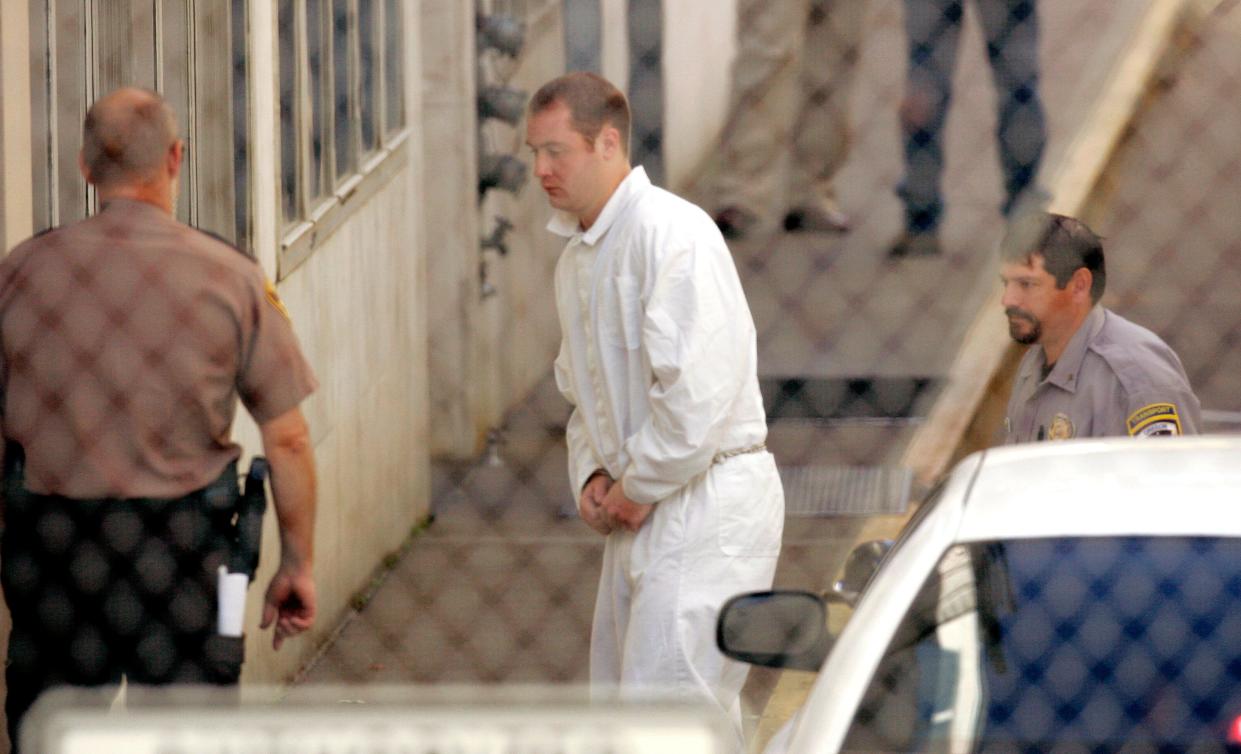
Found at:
<point>750,502</point>
<point>620,312</point>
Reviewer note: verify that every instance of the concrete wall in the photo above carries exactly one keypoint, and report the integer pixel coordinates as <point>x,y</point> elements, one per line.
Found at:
<point>449,130</point>
<point>359,307</point>
<point>525,333</point>
<point>486,352</point>
<point>16,217</point>
<point>358,304</point>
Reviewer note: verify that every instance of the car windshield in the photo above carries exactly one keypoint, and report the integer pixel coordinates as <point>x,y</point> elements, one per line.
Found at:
<point>1092,644</point>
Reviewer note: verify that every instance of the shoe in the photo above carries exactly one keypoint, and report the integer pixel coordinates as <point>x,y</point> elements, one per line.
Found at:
<point>915,244</point>
<point>735,222</point>
<point>822,217</point>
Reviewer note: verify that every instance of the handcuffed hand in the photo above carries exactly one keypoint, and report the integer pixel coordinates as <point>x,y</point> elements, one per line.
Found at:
<point>622,513</point>
<point>590,504</point>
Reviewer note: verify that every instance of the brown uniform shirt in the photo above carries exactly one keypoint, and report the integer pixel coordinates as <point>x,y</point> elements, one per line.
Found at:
<point>125,341</point>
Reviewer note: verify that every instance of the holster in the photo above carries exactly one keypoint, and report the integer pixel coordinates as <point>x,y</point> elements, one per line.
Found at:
<point>248,525</point>
<point>14,470</point>
<point>239,515</point>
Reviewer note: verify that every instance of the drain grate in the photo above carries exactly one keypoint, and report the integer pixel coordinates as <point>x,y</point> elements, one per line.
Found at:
<point>820,491</point>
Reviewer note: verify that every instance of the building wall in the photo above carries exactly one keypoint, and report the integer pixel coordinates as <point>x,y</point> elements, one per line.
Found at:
<point>358,304</point>
<point>16,216</point>
<point>487,352</point>
<point>524,331</point>
<point>449,132</point>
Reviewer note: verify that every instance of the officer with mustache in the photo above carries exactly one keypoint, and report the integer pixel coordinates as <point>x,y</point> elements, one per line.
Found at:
<point>1090,372</point>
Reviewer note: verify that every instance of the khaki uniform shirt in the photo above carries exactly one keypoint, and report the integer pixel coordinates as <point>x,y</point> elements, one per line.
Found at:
<point>1114,378</point>
<point>125,341</point>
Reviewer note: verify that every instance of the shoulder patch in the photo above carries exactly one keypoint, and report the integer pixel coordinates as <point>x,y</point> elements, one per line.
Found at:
<point>1155,420</point>
<point>273,298</point>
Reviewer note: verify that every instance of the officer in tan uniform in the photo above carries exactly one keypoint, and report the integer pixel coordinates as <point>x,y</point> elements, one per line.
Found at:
<point>788,127</point>
<point>125,341</point>
<point>1090,372</point>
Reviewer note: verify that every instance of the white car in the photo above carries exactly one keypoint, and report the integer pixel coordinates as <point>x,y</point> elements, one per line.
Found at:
<point>1073,596</point>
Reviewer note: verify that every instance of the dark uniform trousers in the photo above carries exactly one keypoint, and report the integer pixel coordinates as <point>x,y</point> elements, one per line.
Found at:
<point>101,588</point>
<point>933,28</point>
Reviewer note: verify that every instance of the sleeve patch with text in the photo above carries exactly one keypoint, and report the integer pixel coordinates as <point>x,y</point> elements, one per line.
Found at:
<point>1155,420</point>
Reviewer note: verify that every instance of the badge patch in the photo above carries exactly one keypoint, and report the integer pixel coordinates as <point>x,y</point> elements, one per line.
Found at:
<point>1061,428</point>
<point>1155,420</point>
<point>273,298</point>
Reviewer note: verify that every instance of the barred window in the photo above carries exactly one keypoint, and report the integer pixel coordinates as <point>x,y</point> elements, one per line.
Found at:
<point>342,115</point>
<point>193,53</point>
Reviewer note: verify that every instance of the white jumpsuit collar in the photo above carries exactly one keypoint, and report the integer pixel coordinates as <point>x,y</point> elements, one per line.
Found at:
<point>566,225</point>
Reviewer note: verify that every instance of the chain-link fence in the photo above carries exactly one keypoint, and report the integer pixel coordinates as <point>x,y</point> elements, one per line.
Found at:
<point>1089,644</point>
<point>865,173</point>
<point>863,274</point>
<point>1163,206</point>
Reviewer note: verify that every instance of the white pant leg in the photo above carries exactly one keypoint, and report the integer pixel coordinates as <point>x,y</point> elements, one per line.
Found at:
<point>718,537</point>
<point>611,613</point>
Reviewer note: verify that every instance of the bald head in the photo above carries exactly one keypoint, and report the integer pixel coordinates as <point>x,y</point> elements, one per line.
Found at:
<point>128,139</point>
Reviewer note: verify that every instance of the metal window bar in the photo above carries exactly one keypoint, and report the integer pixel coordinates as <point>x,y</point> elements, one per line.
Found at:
<point>83,49</point>
<point>334,153</point>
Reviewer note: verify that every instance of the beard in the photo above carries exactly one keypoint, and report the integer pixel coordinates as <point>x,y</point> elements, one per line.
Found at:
<point>1029,336</point>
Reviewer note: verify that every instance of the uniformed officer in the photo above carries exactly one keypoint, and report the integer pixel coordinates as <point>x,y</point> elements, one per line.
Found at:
<point>125,341</point>
<point>787,133</point>
<point>1091,372</point>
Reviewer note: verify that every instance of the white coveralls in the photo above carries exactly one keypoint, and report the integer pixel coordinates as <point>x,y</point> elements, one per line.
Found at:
<point>791,81</point>
<point>658,359</point>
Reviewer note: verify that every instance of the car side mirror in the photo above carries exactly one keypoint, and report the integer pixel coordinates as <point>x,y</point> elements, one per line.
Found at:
<point>783,629</point>
<point>860,566</point>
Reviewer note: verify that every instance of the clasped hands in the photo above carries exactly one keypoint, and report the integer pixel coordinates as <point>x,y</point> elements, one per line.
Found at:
<point>604,507</point>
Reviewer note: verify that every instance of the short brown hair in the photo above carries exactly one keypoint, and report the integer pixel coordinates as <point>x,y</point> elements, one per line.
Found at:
<point>126,136</point>
<point>592,101</point>
<point>1065,245</point>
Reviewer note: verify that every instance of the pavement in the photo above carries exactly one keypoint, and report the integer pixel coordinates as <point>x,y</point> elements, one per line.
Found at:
<point>499,588</point>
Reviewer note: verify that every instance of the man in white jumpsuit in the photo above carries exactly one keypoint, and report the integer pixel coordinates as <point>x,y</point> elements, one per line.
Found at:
<point>666,438</point>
